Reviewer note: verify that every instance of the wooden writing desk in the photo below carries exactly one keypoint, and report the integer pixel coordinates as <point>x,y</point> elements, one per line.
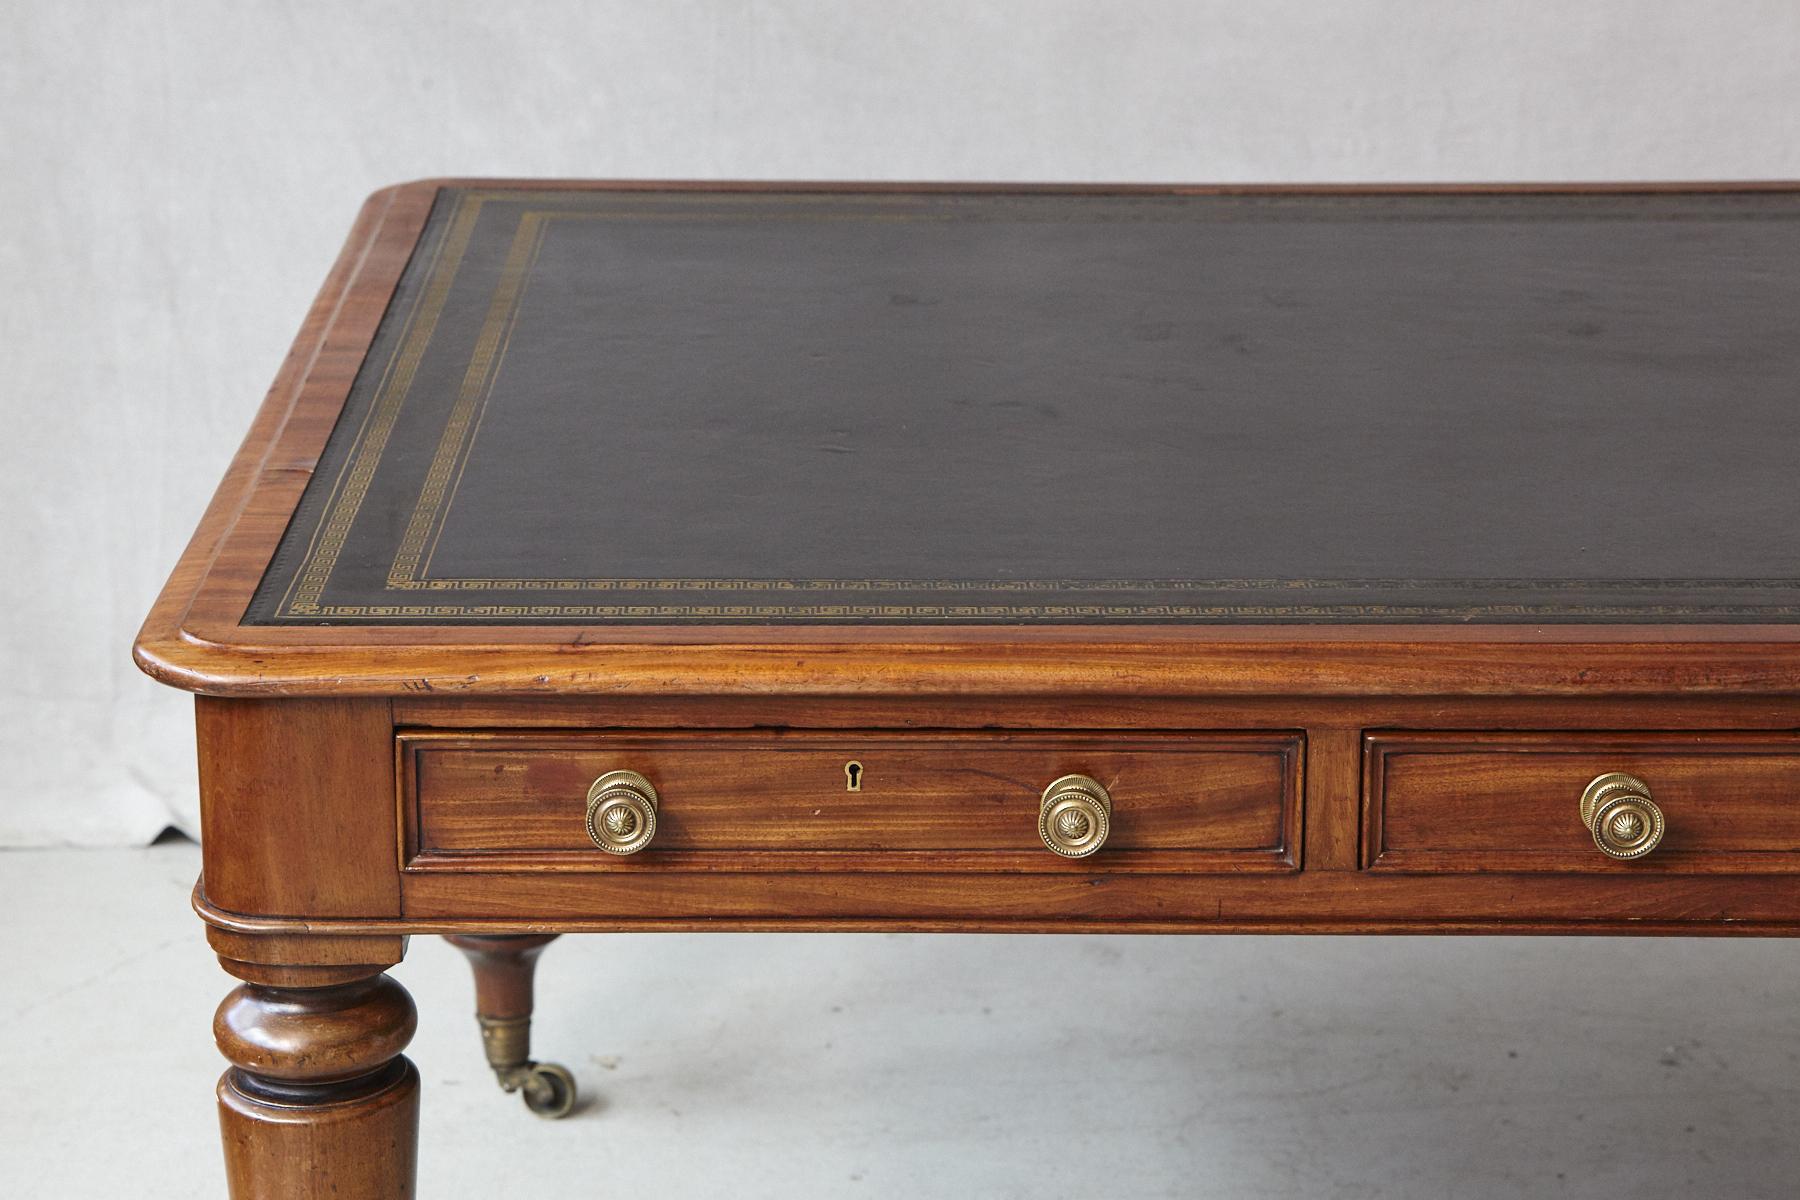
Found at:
<point>1192,560</point>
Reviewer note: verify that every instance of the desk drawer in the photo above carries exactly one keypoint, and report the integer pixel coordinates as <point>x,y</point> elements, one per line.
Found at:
<point>939,802</point>
<point>1727,803</point>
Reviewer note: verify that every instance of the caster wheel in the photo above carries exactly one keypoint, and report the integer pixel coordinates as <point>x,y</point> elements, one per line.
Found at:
<point>549,1091</point>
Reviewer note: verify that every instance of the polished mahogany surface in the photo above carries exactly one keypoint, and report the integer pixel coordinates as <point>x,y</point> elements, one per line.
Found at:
<point>728,407</point>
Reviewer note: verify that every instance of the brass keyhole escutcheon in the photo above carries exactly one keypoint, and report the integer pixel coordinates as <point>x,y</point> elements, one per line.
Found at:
<point>1618,811</point>
<point>621,812</point>
<point>853,773</point>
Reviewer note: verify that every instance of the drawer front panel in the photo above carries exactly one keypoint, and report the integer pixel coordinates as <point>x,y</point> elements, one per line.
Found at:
<point>1450,802</point>
<point>738,801</point>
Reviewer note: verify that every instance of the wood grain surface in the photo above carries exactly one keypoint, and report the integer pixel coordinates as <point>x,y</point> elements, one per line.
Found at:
<point>759,802</point>
<point>1504,801</point>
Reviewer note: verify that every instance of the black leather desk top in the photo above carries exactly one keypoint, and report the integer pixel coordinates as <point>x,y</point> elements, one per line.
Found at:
<point>593,407</point>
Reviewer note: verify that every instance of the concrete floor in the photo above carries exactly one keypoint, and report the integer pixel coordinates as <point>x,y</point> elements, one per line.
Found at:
<point>911,1066</point>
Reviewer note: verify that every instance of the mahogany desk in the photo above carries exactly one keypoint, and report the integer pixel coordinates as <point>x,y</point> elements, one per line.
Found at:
<point>620,557</point>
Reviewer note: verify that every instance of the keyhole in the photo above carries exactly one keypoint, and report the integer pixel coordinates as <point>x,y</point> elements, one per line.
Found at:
<point>853,776</point>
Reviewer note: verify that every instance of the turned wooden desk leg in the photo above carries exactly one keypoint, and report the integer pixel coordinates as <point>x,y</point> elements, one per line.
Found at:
<point>504,968</point>
<point>319,1101</point>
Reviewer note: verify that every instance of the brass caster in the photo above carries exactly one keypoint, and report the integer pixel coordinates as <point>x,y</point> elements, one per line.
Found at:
<point>548,1089</point>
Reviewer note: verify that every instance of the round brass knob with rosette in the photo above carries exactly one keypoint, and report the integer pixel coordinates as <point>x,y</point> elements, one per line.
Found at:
<point>1074,816</point>
<point>621,812</point>
<point>1618,811</point>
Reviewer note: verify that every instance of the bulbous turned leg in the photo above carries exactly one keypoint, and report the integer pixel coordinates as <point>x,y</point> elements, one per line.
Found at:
<point>504,968</point>
<point>319,1101</point>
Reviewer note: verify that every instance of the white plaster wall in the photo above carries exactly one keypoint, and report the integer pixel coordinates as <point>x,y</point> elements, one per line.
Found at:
<point>176,177</point>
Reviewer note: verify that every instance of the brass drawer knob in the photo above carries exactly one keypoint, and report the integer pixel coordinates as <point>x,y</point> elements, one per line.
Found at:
<point>1074,816</point>
<point>1618,811</point>
<point>621,812</point>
